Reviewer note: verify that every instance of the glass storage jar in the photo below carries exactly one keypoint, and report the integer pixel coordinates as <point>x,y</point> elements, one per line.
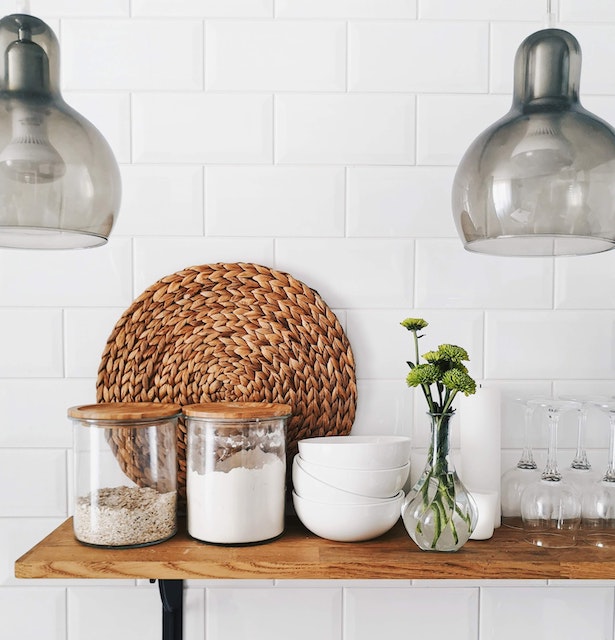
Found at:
<point>236,471</point>
<point>125,473</point>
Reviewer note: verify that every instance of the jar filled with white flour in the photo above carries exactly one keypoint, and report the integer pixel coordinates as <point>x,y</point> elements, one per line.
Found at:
<point>125,473</point>
<point>236,471</point>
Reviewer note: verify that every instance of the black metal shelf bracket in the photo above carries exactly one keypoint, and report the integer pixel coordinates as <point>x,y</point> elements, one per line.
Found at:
<point>172,596</point>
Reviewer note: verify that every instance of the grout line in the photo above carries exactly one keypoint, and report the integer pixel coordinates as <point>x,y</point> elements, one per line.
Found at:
<point>204,55</point>
<point>66,613</point>
<point>130,128</point>
<point>133,267</point>
<point>274,132</point>
<point>204,203</point>
<point>64,334</point>
<point>479,612</point>
<point>484,367</point>
<point>415,262</point>
<point>346,216</point>
<point>343,615</point>
<point>347,69</point>
<point>553,282</point>
<point>416,131</point>
<point>489,39</point>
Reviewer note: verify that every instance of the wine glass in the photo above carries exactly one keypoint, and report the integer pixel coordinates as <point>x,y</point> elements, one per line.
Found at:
<point>598,501</point>
<point>525,472</point>
<point>551,506</point>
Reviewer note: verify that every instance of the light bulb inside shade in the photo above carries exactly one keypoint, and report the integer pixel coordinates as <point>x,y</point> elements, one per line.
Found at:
<point>542,151</point>
<point>30,157</point>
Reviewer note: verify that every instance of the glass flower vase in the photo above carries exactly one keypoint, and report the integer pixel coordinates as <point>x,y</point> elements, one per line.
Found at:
<point>439,513</point>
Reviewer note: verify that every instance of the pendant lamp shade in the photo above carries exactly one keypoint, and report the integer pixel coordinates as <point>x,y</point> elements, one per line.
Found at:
<point>59,181</point>
<point>541,180</point>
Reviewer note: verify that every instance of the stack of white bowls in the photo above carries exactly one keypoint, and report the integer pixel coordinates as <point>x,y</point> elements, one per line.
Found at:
<point>349,488</point>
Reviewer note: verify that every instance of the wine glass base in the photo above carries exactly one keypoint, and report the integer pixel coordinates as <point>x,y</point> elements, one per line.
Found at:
<point>601,540</point>
<point>512,522</point>
<point>598,532</point>
<point>551,539</point>
<point>552,533</point>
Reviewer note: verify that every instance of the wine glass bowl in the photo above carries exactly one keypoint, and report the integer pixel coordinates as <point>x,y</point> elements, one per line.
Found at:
<point>551,513</point>
<point>516,479</point>
<point>598,514</point>
<point>514,482</point>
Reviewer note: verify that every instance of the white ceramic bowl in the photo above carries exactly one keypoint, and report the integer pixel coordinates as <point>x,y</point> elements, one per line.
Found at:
<point>311,488</point>
<point>348,522</point>
<point>356,452</point>
<point>373,483</point>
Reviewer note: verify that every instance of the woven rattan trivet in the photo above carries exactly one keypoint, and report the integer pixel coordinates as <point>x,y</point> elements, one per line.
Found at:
<point>239,332</point>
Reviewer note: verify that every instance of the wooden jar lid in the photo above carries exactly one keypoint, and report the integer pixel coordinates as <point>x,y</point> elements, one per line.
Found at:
<point>237,410</point>
<point>125,411</point>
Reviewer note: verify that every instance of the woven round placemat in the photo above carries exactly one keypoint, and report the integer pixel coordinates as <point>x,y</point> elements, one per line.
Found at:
<point>233,332</point>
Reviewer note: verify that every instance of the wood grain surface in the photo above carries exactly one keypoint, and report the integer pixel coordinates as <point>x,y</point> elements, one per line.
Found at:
<point>298,554</point>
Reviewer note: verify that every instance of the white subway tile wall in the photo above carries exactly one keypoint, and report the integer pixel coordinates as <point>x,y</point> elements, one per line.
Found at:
<point>553,611</point>
<point>347,128</point>
<point>447,124</point>
<point>111,114</point>
<point>203,8</point>
<point>96,279</point>
<point>391,202</point>
<point>319,137</point>
<point>167,200</point>
<point>275,55</point>
<point>345,9</point>
<point>480,10</point>
<point>86,332</point>
<point>200,128</point>
<point>383,56</point>
<point>274,614</point>
<point>382,613</point>
<point>505,37</point>
<point>291,201</point>
<point>141,45</point>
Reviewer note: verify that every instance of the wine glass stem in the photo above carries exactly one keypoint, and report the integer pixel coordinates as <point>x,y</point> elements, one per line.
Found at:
<point>527,457</point>
<point>580,460</point>
<point>609,476</point>
<point>551,471</point>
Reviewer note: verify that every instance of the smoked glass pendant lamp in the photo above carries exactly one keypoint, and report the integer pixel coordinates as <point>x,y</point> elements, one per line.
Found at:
<point>541,180</point>
<point>59,181</point>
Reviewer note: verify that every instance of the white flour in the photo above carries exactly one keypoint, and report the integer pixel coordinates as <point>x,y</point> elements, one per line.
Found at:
<point>242,501</point>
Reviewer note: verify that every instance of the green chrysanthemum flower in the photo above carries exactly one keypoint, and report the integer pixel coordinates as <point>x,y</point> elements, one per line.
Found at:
<point>433,357</point>
<point>414,324</point>
<point>460,367</point>
<point>457,380</point>
<point>452,353</point>
<point>443,361</point>
<point>423,374</point>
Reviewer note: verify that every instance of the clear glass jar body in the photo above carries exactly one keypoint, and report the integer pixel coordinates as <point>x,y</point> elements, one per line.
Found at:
<point>236,471</point>
<point>125,473</point>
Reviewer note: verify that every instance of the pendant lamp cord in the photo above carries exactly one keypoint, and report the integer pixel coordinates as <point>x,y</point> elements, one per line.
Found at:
<point>22,6</point>
<point>550,17</point>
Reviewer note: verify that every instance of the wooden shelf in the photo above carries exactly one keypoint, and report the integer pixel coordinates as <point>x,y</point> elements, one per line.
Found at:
<point>298,554</point>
